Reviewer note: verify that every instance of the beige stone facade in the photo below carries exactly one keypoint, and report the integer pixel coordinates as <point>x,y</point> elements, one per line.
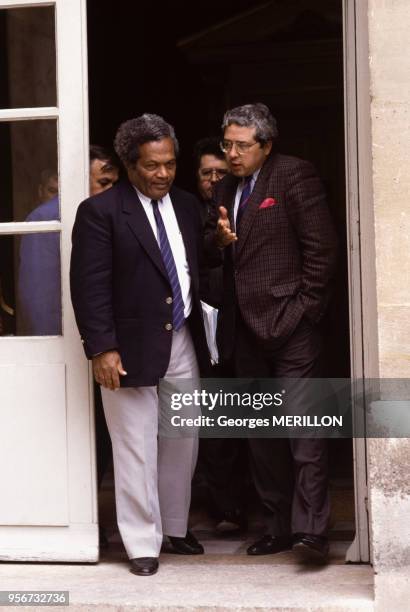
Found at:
<point>389,460</point>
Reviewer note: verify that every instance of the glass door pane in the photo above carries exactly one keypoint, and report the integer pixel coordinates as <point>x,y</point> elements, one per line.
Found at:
<point>29,171</point>
<point>30,285</point>
<point>27,57</point>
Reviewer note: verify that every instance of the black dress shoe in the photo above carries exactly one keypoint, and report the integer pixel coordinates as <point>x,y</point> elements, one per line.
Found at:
<point>186,546</point>
<point>144,566</point>
<point>311,548</point>
<point>270,544</point>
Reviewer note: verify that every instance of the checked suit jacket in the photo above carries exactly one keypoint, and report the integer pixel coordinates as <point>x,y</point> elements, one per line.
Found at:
<point>280,268</point>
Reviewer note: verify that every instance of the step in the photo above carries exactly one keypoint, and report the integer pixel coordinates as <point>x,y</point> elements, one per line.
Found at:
<point>212,582</point>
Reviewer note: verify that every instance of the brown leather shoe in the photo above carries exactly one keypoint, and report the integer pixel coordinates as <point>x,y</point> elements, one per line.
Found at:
<point>144,566</point>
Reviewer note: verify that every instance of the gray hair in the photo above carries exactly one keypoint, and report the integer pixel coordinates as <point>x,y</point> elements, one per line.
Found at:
<point>253,115</point>
<point>135,132</point>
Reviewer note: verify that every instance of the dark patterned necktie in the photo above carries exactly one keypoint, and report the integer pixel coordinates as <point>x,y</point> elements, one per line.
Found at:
<point>246,192</point>
<point>178,317</point>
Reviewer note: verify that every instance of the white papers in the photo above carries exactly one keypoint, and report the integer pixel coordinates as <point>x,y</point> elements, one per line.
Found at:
<point>210,320</point>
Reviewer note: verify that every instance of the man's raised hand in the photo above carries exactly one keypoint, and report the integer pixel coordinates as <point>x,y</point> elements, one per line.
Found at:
<point>224,234</point>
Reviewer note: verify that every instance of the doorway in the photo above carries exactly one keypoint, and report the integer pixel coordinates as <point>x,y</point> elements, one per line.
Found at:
<point>186,62</point>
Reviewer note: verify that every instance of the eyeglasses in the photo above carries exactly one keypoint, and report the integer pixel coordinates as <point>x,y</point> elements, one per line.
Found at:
<point>241,147</point>
<point>207,173</point>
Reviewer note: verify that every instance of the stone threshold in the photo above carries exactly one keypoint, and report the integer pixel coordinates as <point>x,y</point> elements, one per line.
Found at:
<point>216,581</point>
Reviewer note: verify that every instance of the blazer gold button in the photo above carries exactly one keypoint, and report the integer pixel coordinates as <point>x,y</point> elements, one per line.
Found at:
<point>169,300</point>
<point>168,326</point>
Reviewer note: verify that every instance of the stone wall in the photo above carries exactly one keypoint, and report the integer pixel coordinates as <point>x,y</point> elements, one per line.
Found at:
<point>389,460</point>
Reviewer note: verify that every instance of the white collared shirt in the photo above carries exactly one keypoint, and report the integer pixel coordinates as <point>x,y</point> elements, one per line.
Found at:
<point>175,240</point>
<point>239,190</point>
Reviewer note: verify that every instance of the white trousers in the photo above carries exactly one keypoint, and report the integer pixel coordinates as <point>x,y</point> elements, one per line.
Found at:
<point>152,475</point>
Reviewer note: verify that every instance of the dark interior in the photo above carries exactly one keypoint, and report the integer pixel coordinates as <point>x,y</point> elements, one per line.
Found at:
<point>190,61</point>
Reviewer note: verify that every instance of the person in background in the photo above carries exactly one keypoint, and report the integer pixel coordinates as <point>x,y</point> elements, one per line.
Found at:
<point>210,167</point>
<point>39,278</point>
<point>222,462</point>
<point>46,190</point>
<point>104,169</point>
<point>48,187</point>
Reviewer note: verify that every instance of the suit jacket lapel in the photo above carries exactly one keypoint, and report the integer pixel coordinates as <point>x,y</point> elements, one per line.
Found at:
<point>256,197</point>
<point>140,226</point>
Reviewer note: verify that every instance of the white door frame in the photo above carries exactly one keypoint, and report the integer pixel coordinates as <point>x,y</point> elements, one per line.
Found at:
<point>73,536</point>
<point>361,248</point>
<point>77,540</point>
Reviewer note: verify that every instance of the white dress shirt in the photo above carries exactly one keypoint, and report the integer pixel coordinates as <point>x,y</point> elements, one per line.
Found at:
<point>175,240</point>
<point>239,190</point>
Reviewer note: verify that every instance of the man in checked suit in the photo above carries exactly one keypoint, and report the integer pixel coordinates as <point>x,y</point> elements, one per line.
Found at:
<point>134,286</point>
<point>279,251</point>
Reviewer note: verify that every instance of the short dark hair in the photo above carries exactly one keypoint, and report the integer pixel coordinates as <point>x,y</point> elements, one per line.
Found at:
<point>104,154</point>
<point>207,146</point>
<point>135,132</point>
<point>253,115</point>
<point>47,174</point>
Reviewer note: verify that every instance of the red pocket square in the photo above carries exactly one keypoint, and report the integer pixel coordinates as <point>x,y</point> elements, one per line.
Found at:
<point>268,203</point>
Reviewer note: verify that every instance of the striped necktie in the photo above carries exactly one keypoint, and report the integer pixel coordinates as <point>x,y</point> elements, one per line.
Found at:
<point>178,317</point>
<point>246,192</point>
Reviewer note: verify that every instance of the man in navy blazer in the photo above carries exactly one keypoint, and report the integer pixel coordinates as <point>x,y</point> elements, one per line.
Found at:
<point>135,292</point>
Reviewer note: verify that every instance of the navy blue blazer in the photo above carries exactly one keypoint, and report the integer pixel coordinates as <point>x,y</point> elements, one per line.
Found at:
<point>119,285</point>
